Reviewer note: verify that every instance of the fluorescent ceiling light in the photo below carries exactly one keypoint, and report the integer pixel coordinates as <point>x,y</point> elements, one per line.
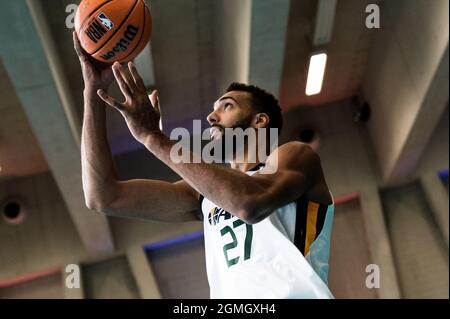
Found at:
<point>316,72</point>
<point>323,31</point>
<point>144,65</point>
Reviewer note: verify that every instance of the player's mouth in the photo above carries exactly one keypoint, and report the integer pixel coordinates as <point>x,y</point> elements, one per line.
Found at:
<point>215,132</point>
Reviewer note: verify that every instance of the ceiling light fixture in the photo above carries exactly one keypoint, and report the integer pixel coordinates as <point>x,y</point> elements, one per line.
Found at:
<point>323,31</point>
<point>144,65</point>
<point>316,73</point>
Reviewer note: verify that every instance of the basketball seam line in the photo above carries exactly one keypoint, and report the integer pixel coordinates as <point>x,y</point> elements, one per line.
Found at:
<point>118,28</point>
<point>140,38</point>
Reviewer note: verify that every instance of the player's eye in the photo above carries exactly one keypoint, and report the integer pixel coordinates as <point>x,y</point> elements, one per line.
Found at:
<point>227,105</point>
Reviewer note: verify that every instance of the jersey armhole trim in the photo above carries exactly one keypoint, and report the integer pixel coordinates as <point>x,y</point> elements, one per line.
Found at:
<point>200,202</point>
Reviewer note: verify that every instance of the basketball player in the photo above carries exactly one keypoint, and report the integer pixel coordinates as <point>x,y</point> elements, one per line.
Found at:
<point>266,235</point>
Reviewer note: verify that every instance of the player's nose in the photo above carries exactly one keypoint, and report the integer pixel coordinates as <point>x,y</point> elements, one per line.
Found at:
<point>212,118</point>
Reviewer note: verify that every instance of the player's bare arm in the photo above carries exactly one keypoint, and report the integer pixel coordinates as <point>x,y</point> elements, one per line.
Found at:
<point>250,198</point>
<point>143,199</point>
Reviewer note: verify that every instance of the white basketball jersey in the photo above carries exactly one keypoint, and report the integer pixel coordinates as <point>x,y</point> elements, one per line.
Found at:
<point>283,256</point>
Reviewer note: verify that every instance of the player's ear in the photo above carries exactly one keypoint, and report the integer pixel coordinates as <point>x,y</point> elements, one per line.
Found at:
<point>261,120</point>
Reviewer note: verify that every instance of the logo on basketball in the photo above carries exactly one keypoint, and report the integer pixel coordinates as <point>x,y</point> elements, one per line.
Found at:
<point>95,31</point>
<point>113,31</point>
<point>105,20</point>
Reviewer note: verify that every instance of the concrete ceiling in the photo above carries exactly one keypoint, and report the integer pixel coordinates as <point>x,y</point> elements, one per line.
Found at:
<point>35,70</point>
<point>187,47</point>
<point>198,46</point>
<point>20,153</point>
<point>347,53</point>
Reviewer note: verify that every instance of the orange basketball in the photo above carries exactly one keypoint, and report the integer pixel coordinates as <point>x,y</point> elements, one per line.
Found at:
<point>113,30</point>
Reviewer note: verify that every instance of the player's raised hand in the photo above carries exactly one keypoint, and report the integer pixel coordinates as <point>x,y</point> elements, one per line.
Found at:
<point>141,113</point>
<point>96,75</point>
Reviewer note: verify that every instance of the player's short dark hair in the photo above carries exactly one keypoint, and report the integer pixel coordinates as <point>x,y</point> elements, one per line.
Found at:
<point>263,102</point>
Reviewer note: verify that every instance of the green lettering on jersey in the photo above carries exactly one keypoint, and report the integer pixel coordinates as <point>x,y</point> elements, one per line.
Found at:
<point>234,243</point>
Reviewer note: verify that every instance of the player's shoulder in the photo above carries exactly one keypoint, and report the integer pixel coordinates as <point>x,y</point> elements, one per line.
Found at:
<point>295,146</point>
<point>299,150</point>
<point>295,154</point>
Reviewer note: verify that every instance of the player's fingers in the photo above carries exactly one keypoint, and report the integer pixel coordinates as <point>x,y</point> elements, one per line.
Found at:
<point>126,77</point>
<point>127,92</point>
<point>157,103</point>
<point>78,49</point>
<point>136,77</point>
<point>154,99</point>
<point>111,101</point>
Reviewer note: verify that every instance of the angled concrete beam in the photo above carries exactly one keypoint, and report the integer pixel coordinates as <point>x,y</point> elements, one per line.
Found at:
<point>269,22</point>
<point>379,244</point>
<point>432,107</point>
<point>407,82</point>
<point>232,41</point>
<point>251,37</point>
<point>54,61</point>
<point>28,67</point>
<point>142,272</point>
<point>437,197</point>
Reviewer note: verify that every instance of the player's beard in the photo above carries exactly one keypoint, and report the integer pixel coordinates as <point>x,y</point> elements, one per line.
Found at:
<point>242,124</point>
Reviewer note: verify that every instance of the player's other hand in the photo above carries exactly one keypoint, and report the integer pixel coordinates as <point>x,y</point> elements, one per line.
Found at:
<point>140,111</point>
<point>96,75</point>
